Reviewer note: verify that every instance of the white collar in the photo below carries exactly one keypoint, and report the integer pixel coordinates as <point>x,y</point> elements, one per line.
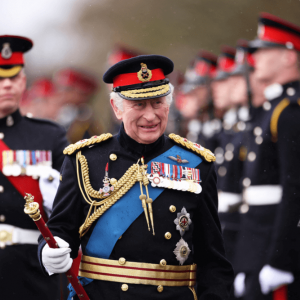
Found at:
<point>273,91</point>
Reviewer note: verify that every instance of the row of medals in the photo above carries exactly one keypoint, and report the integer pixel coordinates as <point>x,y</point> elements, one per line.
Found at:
<point>180,185</point>
<point>29,170</point>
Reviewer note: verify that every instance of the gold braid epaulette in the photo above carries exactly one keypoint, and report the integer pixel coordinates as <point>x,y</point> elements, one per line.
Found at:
<point>207,154</point>
<point>81,144</point>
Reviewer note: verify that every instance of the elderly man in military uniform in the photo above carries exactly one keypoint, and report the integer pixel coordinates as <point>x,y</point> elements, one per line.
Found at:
<point>142,205</point>
<point>269,238</point>
<point>29,149</point>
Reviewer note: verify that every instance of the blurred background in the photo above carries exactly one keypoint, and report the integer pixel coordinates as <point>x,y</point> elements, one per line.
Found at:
<point>81,34</point>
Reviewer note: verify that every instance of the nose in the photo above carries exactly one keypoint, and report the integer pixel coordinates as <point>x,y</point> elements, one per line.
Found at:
<point>149,113</point>
<point>6,83</point>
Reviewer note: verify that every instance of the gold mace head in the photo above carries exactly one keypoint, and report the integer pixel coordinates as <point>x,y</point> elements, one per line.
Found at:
<point>31,207</point>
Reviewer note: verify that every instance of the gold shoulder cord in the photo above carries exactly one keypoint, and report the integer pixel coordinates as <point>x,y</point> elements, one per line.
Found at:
<point>121,187</point>
<point>207,154</point>
<point>275,117</point>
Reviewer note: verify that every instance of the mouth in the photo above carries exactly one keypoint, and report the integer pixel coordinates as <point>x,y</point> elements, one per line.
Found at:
<point>149,127</point>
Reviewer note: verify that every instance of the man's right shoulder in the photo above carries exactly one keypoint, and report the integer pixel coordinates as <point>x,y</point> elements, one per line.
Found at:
<point>88,143</point>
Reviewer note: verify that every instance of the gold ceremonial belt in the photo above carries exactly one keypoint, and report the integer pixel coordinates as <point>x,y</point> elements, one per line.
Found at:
<point>137,273</point>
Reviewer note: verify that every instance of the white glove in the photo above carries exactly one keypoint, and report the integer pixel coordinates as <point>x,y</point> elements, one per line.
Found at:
<point>239,285</point>
<point>57,260</point>
<point>270,278</point>
<point>49,182</point>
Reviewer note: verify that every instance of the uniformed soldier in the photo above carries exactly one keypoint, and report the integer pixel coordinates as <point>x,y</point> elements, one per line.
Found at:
<point>29,149</point>
<point>142,205</point>
<point>269,238</point>
<point>75,91</point>
<point>194,101</point>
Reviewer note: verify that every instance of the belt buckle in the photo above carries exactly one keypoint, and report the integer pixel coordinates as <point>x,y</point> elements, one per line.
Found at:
<point>5,238</point>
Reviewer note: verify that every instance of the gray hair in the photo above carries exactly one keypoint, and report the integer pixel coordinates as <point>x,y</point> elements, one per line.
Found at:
<point>118,101</point>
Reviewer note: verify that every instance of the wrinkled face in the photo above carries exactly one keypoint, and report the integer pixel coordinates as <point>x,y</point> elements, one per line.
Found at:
<point>268,64</point>
<point>144,120</point>
<point>220,92</point>
<point>11,91</point>
<point>238,90</point>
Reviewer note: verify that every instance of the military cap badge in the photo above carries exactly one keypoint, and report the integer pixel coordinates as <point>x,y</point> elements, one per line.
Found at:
<point>144,74</point>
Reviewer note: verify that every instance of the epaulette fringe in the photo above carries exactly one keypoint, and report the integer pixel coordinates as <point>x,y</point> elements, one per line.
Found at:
<point>205,153</point>
<point>83,143</point>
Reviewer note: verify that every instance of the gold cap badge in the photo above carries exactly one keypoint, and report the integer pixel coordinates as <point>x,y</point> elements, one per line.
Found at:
<point>144,74</point>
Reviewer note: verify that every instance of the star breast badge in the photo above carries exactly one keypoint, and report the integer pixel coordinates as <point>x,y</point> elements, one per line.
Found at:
<point>183,221</point>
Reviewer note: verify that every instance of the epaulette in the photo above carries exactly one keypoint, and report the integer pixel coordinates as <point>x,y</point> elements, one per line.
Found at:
<point>87,142</point>
<point>275,117</point>
<point>207,154</point>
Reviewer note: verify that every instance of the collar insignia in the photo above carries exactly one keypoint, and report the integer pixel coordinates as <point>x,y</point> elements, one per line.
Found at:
<point>144,74</point>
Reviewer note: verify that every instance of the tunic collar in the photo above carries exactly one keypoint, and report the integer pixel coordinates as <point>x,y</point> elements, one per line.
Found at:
<point>136,148</point>
<point>11,120</point>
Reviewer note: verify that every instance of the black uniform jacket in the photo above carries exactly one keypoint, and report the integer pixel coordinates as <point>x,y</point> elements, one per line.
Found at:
<point>137,244</point>
<point>20,273</point>
<point>269,233</point>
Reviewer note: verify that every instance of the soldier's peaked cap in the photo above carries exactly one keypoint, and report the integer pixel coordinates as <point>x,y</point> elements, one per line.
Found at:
<point>12,48</point>
<point>275,32</point>
<point>140,77</point>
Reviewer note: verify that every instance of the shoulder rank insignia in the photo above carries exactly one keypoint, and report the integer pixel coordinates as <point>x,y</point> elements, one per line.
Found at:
<point>87,142</point>
<point>207,154</point>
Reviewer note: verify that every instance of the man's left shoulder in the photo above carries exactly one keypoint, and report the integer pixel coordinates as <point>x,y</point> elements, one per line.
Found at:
<point>44,124</point>
<point>195,148</point>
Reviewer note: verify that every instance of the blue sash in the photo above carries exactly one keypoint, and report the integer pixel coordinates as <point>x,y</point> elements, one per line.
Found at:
<point>116,220</point>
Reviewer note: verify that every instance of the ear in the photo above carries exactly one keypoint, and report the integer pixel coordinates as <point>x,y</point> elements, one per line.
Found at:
<point>24,81</point>
<point>117,112</point>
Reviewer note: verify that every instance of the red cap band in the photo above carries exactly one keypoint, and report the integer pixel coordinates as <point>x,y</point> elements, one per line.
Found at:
<point>280,36</point>
<point>132,78</point>
<point>225,64</point>
<point>15,59</point>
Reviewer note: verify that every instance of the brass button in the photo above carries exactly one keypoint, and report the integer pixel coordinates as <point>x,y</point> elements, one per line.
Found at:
<point>113,157</point>
<point>163,262</point>
<point>172,208</point>
<point>168,235</point>
<point>160,288</point>
<point>1,189</point>
<point>124,287</point>
<point>2,218</point>
<point>113,181</point>
<point>122,261</point>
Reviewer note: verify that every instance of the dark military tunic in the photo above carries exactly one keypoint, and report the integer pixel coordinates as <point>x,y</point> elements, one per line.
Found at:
<point>269,233</point>
<point>20,273</point>
<point>137,244</point>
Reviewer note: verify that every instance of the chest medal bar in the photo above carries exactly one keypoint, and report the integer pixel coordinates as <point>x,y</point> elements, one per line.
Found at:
<point>26,162</point>
<point>175,177</point>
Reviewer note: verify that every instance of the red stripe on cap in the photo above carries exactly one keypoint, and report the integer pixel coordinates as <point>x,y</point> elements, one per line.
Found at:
<point>225,64</point>
<point>280,36</point>
<point>15,59</point>
<point>280,293</point>
<point>132,78</point>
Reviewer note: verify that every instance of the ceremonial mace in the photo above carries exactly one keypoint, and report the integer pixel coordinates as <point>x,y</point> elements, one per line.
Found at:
<point>32,209</point>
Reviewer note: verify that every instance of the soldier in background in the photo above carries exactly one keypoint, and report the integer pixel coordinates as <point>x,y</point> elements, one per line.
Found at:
<point>39,100</point>
<point>194,100</point>
<point>29,149</point>
<point>75,89</point>
<point>268,248</point>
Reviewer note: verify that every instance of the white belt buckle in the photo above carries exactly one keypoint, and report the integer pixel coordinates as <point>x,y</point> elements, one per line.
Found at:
<point>5,238</point>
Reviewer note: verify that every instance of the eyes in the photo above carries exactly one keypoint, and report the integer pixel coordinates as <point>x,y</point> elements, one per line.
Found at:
<point>142,104</point>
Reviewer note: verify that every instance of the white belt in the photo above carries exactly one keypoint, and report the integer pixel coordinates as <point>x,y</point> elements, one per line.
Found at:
<point>228,199</point>
<point>263,194</point>
<point>10,235</point>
